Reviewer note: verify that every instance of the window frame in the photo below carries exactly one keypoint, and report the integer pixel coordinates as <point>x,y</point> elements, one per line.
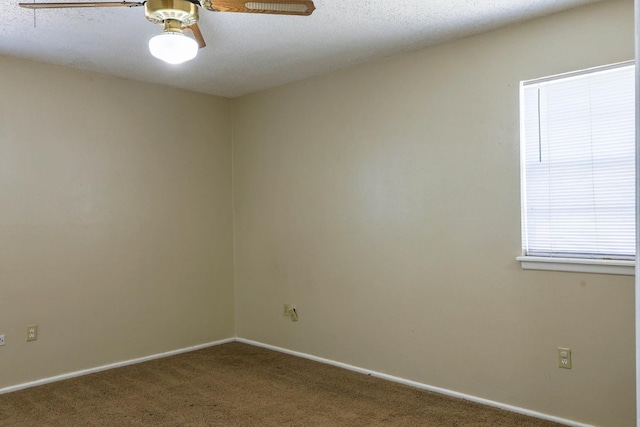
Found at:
<point>551,262</point>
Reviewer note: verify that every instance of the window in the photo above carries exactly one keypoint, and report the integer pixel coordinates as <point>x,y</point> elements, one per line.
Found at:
<point>578,170</point>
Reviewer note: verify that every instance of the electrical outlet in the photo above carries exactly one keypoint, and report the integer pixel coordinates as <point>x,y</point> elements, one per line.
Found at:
<point>1,339</point>
<point>564,357</point>
<point>32,332</point>
<point>286,309</point>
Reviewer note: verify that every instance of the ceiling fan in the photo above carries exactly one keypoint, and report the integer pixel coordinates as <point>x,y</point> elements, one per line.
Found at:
<point>172,45</point>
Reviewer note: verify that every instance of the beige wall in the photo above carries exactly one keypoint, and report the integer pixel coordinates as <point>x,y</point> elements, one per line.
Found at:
<point>115,220</point>
<point>384,201</point>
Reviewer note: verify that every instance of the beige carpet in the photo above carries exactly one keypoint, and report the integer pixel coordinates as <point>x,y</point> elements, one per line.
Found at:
<point>240,385</point>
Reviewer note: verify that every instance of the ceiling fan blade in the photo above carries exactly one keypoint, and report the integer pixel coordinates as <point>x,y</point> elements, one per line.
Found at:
<point>197,34</point>
<point>74,5</point>
<point>278,7</point>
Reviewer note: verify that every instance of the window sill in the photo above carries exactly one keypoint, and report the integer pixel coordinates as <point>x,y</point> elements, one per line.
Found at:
<point>577,265</point>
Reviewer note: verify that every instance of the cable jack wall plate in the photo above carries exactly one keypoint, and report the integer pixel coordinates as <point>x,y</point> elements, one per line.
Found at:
<point>291,311</point>
<point>286,309</point>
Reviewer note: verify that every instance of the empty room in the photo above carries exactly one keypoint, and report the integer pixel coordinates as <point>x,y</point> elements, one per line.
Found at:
<point>311,209</point>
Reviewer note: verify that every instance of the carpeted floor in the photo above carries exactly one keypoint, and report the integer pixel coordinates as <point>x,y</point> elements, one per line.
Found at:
<point>241,385</point>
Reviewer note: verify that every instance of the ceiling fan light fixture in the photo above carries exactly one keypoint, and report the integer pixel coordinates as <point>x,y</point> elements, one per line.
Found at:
<point>173,47</point>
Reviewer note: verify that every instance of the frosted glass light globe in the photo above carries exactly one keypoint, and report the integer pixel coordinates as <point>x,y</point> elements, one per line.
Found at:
<point>173,47</point>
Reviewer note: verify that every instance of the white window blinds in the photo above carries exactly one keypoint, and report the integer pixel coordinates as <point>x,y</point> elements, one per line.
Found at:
<point>578,164</point>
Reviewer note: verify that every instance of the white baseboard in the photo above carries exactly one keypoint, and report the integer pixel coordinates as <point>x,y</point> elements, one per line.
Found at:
<point>111,366</point>
<point>418,385</point>
<point>415,384</point>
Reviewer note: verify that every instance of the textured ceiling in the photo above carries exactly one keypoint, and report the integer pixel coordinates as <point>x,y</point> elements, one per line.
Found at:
<point>252,52</point>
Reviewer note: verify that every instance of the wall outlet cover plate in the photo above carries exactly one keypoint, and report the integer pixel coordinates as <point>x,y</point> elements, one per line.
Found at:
<point>32,332</point>
<point>564,357</point>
